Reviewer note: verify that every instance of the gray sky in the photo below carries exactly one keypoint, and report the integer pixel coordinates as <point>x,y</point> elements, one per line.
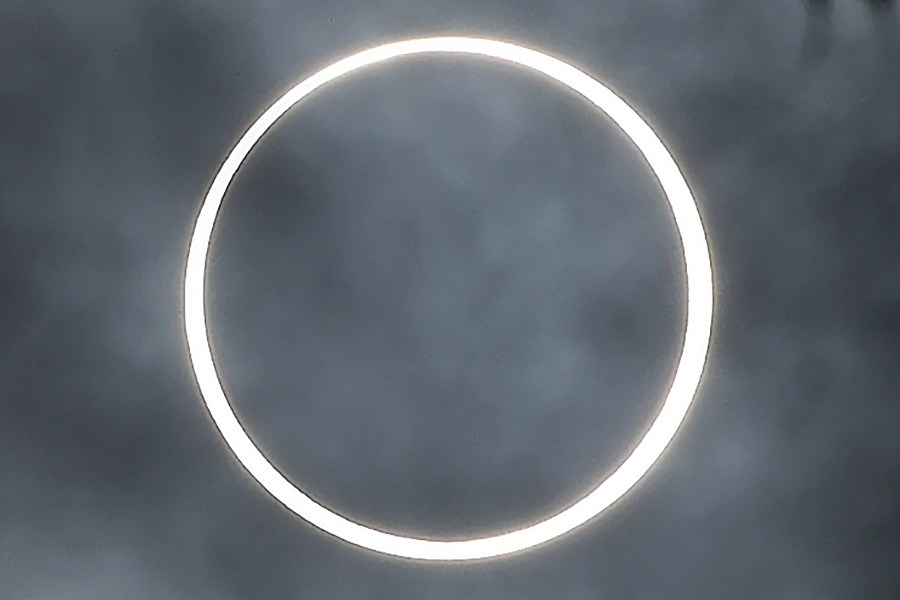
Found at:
<point>446,299</point>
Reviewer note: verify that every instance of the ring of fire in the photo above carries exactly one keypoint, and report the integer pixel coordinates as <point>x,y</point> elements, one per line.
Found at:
<point>678,399</point>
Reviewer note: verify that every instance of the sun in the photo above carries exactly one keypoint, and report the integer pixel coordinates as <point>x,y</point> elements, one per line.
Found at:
<point>680,395</point>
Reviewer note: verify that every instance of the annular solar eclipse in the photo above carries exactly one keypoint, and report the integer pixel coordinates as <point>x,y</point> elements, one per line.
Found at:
<point>677,401</point>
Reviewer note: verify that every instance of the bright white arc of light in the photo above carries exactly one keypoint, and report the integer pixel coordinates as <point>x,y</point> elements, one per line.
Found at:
<point>678,400</point>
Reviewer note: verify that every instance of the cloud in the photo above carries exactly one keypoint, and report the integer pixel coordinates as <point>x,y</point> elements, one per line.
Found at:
<point>445,298</point>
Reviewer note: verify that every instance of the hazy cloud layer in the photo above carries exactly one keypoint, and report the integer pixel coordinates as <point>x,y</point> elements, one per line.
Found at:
<point>446,299</point>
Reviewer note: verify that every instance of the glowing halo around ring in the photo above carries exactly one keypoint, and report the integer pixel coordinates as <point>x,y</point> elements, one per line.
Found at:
<point>680,395</point>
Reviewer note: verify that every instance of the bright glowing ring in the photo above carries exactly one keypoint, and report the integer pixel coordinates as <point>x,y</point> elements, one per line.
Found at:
<point>660,433</point>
